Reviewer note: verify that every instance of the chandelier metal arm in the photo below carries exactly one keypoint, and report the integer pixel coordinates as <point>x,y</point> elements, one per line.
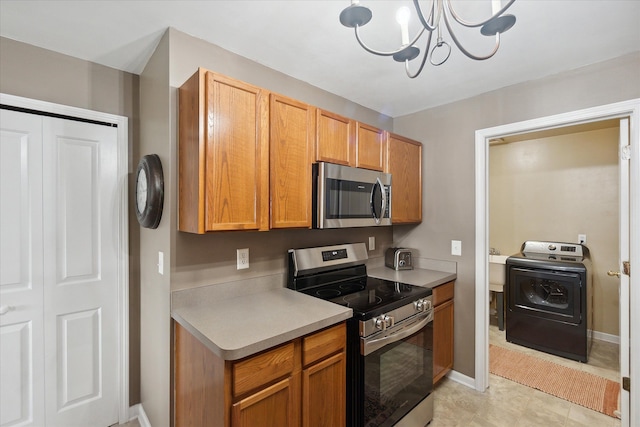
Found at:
<point>425,23</point>
<point>461,21</point>
<point>424,60</point>
<point>383,53</point>
<point>465,51</point>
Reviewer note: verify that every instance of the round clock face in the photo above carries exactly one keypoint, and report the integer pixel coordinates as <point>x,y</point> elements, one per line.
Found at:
<point>149,191</point>
<point>141,191</point>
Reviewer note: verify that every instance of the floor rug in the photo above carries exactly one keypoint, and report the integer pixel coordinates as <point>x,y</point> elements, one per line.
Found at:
<point>582,388</point>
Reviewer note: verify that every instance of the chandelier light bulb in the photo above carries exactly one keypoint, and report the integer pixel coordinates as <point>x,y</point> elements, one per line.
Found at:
<point>402,16</point>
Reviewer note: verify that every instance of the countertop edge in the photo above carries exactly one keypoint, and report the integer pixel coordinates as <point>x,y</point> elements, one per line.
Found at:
<point>188,318</point>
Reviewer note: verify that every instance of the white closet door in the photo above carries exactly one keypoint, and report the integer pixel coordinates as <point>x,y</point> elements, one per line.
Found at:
<point>80,273</point>
<point>59,212</point>
<point>21,271</point>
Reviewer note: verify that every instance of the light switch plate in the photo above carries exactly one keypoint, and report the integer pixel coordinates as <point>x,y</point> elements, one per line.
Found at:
<point>161,262</point>
<point>243,258</point>
<point>456,247</point>
<point>372,243</point>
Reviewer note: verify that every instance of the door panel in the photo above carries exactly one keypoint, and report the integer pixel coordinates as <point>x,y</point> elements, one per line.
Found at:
<point>21,280</point>
<point>80,274</point>
<point>59,272</point>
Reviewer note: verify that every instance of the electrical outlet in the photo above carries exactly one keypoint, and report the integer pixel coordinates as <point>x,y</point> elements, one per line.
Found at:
<point>372,243</point>
<point>456,247</point>
<point>582,238</point>
<point>243,258</point>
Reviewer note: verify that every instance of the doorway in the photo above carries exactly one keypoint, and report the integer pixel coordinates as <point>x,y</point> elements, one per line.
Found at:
<point>630,237</point>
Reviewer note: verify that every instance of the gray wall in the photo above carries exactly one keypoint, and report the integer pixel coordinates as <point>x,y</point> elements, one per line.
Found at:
<point>448,135</point>
<point>36,73</point>
<point>199,260</point>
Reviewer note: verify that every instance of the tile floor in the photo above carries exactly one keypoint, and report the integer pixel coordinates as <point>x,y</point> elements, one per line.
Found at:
<point>510,404</point>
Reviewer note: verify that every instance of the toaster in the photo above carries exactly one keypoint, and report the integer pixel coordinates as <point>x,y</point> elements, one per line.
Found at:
<point>398,258</point>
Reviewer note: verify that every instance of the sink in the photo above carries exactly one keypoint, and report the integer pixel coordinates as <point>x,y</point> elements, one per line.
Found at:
<point>497,269</point>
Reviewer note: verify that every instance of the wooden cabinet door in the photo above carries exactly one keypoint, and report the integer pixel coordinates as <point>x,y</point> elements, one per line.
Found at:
<point>335,138</point>
<point>370,147</point>
<point>274,406</point>
<point>442,340</point>
<point>237,173</point>
<point>292,133</point>
<point>404,162</point>
<point>324,393</point>
<point>223,155</point>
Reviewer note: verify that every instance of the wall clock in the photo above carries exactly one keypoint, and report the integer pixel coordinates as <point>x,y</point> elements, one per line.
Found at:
<point>149,191</point>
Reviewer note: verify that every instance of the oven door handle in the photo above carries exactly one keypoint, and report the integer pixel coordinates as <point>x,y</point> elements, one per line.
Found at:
<point>369,346</point>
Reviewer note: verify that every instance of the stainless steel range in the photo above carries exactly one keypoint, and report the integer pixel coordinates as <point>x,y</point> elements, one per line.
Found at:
<point>389,339</point>
<point>549,298</point>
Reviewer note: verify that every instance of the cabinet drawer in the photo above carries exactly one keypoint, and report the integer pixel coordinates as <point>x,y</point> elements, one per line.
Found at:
<point>323,343</point>
<point>262,369</point>
<point>442,293</point>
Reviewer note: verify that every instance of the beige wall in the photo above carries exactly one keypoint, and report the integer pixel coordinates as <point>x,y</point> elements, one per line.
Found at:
<point>448,134</point>
<point>554,189</point>
<point>36,73</point>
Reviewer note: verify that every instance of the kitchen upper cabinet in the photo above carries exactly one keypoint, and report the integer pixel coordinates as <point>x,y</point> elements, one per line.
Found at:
<point>371,147</point>
<point>301,382</point>
<point>404,163</point>
<point>442,330</point>
<point>335,138</point>
<point>223,154</point>
<point>292,134</point>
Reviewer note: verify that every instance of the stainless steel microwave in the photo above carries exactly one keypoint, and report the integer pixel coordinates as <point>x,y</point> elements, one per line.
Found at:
<point>349,197</point>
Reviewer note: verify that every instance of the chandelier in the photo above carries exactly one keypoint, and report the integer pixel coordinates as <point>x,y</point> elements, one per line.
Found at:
<point>356,16</point>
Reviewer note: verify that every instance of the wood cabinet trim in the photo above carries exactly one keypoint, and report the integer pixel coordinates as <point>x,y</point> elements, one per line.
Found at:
<point>258,370</point>
<point>443,293</point>
<point>324,343</point>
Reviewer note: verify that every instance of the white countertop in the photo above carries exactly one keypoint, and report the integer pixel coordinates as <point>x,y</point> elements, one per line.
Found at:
<point>417,276</point>
<point>239,326</point>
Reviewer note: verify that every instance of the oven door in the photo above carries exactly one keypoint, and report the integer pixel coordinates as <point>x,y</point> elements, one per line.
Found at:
<point>549,294</point>
<point>397,371</point>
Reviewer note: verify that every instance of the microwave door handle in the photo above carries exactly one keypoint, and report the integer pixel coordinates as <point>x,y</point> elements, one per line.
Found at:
<point>372,200</point>
<point>384,198</point>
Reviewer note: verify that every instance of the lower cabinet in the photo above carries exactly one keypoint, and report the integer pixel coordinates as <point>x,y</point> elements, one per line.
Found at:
<point>302,382</point>
<point>442,330</point>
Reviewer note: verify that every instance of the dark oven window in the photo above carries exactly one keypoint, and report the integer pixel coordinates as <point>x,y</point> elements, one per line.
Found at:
<point>545,293</point>
<point>397,377</point>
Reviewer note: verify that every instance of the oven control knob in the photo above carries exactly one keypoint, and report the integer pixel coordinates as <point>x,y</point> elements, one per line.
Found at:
<point>383,322</point>
<point>422,305</point>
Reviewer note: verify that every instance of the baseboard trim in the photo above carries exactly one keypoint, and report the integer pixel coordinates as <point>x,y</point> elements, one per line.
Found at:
<point>137,412</point>
<point>601,336</point>
<point>462,379</point>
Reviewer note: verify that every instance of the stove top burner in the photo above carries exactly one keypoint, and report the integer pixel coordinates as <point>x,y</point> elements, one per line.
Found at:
<point>369,296</point>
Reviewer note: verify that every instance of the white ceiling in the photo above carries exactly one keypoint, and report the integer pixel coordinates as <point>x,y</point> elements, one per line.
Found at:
<point>305,40</point>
